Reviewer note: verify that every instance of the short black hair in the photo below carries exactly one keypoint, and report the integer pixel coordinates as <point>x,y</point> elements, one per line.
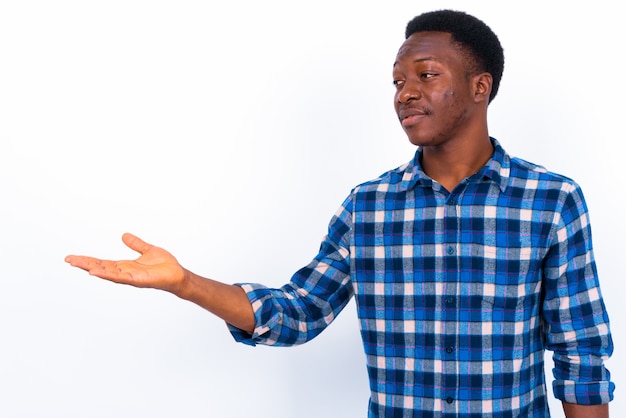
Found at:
<point>471,34</point>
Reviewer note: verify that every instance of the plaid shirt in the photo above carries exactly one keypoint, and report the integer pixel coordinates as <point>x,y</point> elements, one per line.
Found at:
<point>458,293</point>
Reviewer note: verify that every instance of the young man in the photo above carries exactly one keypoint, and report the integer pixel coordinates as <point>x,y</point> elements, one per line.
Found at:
<point>466,263</point>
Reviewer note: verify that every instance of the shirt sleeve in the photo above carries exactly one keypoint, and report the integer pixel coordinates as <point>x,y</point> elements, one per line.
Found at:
<point>574,311</point>
<point>304,307</point>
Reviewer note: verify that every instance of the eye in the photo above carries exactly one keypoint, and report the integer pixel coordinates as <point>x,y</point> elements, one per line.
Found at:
<point>398,83</point>
<point>428,75</point>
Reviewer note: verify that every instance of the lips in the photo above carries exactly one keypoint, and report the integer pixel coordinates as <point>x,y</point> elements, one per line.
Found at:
<point>410,116</point>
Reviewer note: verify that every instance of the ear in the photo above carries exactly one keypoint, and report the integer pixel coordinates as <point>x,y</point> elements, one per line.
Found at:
<point>482,87</point>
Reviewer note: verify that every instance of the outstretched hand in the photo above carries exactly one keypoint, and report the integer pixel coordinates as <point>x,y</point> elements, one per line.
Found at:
<point>158,269</point>
<point>155,268</point>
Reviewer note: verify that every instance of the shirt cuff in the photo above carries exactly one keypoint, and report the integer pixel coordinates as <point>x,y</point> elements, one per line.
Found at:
<point>241,336</point>
<point>583,393</point>
<point>256,293</point>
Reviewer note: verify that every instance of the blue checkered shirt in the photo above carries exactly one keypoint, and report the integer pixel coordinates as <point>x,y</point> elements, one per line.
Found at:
<point>458,293</point>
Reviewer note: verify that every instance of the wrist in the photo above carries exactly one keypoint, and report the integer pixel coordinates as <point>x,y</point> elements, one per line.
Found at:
<point>182,287</point>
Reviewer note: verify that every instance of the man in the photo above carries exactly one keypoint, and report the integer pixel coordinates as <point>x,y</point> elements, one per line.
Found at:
<point>466,263</point>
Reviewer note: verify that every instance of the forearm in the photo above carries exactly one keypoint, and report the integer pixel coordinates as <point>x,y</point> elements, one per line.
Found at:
<point>585,411</point>
<point>228,302</point>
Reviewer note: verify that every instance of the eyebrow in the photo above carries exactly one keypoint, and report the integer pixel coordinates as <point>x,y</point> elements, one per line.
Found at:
<point>419,60</point>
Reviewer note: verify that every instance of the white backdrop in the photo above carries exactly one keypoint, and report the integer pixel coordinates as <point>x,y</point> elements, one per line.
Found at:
<point>229,133</point>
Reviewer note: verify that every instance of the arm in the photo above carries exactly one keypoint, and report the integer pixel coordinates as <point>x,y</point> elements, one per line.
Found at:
<point>158,269</point>
<point>578,329</point>
<point>586,411</point>
<point>301,309</point>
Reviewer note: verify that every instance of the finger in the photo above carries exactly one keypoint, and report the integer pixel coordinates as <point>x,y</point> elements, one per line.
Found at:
<point>135,243</point>
<point>105,269</point>
<point>102,268</point>
<point>111,270</point>
<point>83,262</point>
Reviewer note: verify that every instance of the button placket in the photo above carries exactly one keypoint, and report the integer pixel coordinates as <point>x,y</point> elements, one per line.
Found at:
<point>451,265</point>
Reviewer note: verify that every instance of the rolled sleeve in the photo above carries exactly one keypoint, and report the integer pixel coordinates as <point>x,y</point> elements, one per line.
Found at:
<point>315,295</point>
<point>574,311</point>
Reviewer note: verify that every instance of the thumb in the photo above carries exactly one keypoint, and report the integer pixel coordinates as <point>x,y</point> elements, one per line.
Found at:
<point>135,243</point>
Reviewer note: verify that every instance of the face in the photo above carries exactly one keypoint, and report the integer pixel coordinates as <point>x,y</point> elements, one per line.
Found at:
<point>434,99</point>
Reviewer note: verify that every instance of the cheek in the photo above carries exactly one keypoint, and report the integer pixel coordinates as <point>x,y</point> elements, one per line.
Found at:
<point>450,99</point>
<point>449,95</point>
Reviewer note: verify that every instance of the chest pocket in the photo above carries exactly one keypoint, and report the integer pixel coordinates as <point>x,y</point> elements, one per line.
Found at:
<point>505,269</point>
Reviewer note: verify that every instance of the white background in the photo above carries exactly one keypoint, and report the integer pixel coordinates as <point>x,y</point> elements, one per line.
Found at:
<point>229,133</point>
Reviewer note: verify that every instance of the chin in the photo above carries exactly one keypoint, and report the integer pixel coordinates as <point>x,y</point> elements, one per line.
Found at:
<point>420,139</point>
<point>422,142</point>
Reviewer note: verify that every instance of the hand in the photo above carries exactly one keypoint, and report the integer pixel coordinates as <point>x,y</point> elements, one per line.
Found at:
<point>155,268</point>
<point>158,269</point>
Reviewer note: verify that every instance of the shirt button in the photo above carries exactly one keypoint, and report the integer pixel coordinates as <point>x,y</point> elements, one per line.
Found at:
<point>449,300</point>
<point>449,350</point>
<point>449,399</point>
<point>450,250</point>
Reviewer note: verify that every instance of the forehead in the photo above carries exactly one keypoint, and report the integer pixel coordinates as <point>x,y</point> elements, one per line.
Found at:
<point>432,45</point>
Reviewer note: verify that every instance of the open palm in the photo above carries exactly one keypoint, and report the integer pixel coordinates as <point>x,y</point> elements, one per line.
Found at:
<point>155,268</point>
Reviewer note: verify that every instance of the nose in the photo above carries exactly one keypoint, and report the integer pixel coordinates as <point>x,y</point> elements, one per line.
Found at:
<point>408,91</point>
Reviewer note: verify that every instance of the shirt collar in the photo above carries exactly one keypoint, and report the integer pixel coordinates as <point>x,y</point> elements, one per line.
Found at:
<point>497,170</point>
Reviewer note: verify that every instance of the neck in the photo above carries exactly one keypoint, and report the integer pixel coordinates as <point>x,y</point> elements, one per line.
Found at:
<point>451,163</point>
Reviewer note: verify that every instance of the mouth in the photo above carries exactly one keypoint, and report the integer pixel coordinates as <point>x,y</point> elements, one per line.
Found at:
<point>410,117</point>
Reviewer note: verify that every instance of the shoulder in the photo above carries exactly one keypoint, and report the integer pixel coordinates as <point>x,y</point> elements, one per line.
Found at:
<point>522,171</point>
<point>546,190</point>
<point>387,181</point>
